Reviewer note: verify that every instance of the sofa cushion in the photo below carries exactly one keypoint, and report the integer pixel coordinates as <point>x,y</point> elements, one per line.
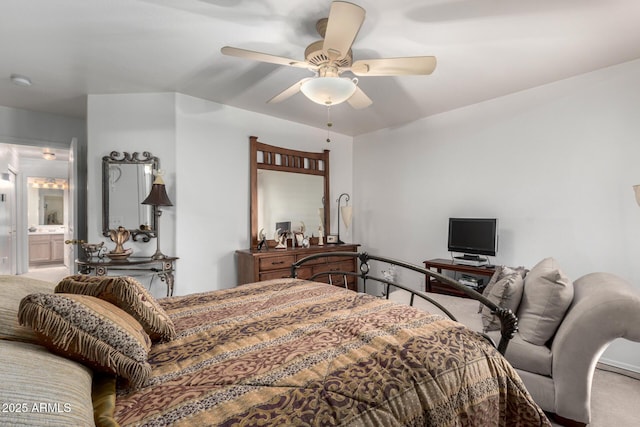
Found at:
<point>500,272</point>
<point>548,292</point>
<point>91,331</point>
<point>526,356</point>
<point>505,292</point>
<point>128,294</point>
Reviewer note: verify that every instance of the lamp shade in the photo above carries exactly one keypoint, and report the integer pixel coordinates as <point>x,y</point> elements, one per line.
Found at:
<point>329,90</point>
<point>636,189</point>
<point>158,195</point>
<point>347,213</point>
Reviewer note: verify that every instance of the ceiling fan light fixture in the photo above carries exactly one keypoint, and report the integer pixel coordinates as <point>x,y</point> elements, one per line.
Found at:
<point>329,90</point>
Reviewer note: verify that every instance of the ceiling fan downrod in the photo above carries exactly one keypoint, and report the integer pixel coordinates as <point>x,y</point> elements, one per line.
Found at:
<point>329,123</point>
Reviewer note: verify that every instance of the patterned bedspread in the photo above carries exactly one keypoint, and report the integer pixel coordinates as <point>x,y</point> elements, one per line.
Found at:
<point>290,352</point>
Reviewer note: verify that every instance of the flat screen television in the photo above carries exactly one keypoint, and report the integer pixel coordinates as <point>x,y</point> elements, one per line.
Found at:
<point>477,236</point>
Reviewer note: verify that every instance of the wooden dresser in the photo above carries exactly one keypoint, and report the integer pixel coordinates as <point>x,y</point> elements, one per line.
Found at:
<point>256,266</point>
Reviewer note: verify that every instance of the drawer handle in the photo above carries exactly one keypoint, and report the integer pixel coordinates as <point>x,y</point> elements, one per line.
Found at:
<point>277,262</point>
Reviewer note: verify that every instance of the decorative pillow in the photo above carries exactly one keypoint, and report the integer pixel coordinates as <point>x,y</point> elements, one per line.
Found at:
<point>548,292</point>
<point>501,272</point>
<point>91,331</point>
<point>14,288</point>
<point>507,293</point>
<point>128,294</point>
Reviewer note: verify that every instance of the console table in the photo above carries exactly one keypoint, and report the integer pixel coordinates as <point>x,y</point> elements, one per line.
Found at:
<point>163,268</point>
<point>440,264</point>
<point>256,266</point>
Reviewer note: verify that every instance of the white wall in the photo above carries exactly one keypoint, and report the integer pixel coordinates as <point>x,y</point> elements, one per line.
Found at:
<point>33,128</point>
<point>213,183</point>
<point>555,164</point>
<point>131,123</point>
<point>204,149</point>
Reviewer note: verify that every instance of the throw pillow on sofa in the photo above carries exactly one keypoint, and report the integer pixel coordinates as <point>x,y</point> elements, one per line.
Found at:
<point>548,292</point>
<point>504,289</point>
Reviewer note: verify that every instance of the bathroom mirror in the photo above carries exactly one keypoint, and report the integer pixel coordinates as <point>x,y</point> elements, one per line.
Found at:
<point>288,185</point>
<point>45,201</point>
<point>126,182</point>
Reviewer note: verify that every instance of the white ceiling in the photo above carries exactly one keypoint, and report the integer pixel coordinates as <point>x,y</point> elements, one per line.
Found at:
<point>485,49</point>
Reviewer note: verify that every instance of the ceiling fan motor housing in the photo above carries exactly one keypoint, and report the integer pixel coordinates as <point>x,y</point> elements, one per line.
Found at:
<point>314,54</point>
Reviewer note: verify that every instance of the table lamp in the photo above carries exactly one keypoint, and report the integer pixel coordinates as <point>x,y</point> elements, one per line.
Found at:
<point>158,197</point>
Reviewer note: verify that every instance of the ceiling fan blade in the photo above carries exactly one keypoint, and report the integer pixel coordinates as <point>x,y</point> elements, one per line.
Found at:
<point>394,66</point>
<point>288,92</point>
<point>264,57</point>
<point>359,100</point>
<point>345,20</point>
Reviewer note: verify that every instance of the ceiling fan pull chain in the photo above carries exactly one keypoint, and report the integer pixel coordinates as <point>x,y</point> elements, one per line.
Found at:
<point>329,124</point>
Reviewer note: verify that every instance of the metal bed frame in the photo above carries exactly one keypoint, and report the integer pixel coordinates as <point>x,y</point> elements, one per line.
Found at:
<point>508,320</point>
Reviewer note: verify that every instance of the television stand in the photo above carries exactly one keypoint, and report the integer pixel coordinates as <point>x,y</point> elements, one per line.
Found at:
<point>440,264</point>
<point>473,260</point>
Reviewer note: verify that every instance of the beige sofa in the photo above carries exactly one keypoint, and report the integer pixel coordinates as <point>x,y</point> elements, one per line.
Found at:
<point>558,371</point>
<point>559,375</point>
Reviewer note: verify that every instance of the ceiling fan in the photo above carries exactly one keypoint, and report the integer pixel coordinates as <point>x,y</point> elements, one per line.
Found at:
<point>332,56</point>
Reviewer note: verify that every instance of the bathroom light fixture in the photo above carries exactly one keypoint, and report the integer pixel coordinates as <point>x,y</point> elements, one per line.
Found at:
<point>329,90</point>
<point>48,154</point>
<point>19,80</point>
<point>44,182</point>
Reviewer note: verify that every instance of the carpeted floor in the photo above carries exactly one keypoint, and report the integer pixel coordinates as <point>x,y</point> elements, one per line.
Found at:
<point>48,274</point>
<point>614,400</point>
<point>614,397</point>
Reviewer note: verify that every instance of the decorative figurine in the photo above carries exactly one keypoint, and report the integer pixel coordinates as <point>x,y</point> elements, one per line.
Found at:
<point>305,242</point>
<point>281,238</point>
<point>262,240</point>
<point>119,237</point>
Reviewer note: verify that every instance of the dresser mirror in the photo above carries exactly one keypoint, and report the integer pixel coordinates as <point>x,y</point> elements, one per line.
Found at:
<point>126,182</point>
<point>288,186</point>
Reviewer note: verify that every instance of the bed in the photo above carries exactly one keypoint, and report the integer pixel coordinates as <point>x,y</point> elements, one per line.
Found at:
<point>288,352</point>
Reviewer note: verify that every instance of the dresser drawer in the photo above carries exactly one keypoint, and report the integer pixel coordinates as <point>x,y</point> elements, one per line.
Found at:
<point>319,260</point>
<point>277,263</point>
<point>275,274</point>
<point>254,265</point>
<point>340,266</point>
<point>303,273</point>
<point>340,259</point>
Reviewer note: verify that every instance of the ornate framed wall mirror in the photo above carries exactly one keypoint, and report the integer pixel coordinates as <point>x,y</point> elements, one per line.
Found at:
<point>288,186</point>
<point>126,182</point>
